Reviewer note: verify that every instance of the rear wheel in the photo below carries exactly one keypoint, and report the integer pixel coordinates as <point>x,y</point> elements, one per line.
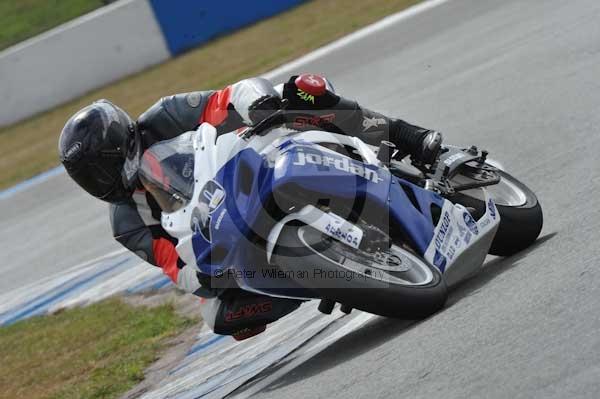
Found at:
<point>394,282</point>
<point>521,217</point>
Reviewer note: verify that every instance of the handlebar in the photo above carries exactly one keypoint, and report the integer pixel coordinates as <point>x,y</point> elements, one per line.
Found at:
<point>281,117</point>
<point>276,118</point>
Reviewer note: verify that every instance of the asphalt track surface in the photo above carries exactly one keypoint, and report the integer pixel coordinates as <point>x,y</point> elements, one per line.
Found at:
<point>520,78</point>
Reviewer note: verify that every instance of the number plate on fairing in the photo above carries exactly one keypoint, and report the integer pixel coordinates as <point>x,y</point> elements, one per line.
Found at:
<point>339,228</point>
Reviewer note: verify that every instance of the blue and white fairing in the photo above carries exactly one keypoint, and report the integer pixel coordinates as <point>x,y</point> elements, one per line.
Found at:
<point>460,243</point>
<point>234,178</point>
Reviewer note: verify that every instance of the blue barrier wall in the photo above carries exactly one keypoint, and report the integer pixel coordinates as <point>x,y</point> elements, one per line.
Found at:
<point>188,23</point>
<point>69,60</point>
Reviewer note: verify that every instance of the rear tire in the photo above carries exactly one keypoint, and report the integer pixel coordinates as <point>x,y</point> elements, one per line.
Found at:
<point>297,251</point>
<point>519,226</point>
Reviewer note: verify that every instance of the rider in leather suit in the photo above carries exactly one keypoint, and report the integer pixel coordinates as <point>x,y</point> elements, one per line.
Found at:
<point>101,141</point>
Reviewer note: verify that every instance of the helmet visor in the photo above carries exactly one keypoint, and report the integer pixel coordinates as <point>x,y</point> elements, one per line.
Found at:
<point>103,180</point>
<point>167,172</point>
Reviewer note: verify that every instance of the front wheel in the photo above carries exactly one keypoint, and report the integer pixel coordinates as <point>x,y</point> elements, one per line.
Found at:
<point>521,217</point>
<point>393,282</point>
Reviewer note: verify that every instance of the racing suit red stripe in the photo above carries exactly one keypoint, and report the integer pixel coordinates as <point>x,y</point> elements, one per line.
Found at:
<point>166,257</point>
<point>216,111</point>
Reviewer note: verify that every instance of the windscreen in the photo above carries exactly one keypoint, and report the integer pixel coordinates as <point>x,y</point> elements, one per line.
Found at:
<point>167,172</point>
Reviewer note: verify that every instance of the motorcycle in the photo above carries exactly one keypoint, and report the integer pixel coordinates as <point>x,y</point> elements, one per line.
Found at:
<point>318,215</point>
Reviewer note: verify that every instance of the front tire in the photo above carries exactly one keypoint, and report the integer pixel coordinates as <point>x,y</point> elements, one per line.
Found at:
<point>385,292</point>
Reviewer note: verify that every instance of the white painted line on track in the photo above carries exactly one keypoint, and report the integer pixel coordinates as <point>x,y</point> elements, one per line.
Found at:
<point>63,27</point>
<point>201,373</point>
<point>291,364</point>
<point>285,68</point>
<point>86,283</point>
<point>33,181</point>
<point>65,272</point>
<point>353,37</point>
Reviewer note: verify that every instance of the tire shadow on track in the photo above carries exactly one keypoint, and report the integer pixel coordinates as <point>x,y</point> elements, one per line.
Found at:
<point>381,330</point>
<point>491,270</point>
<point>375,333</point>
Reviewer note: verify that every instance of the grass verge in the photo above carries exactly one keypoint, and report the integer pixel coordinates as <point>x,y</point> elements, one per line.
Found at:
<point>22,19</point>
<point>29,147</point>
<point>95,352</point>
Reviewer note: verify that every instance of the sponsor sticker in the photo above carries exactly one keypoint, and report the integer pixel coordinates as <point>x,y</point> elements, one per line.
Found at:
<point>492,208</point>
<point>313,80</point>
<point>467,238</point>
<point>303,122</point>
<point>220,219</point>
<point>248,311</point>
<point>372,122</point>
<point>73,151</point>
<point>439,261</point>
<point>212,195</point>
<point>457,231</point>
<point>304,96</point>
<point>340,163</point>
<point>188,168</point>
<point>445,230</point>
<point>453,158</point>
<point>340,229</point>
<point>470,222</point>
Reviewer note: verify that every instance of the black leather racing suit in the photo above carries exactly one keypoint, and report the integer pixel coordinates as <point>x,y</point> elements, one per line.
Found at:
<point>136,223</point>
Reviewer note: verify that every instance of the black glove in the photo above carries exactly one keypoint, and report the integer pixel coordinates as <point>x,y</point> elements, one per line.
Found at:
<point>263,107</point>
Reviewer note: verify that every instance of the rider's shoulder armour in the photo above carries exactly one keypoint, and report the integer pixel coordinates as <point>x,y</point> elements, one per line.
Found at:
<point>173,115</point>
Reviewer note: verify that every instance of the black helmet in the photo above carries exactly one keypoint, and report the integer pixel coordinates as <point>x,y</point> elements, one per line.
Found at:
<point>100,149</point>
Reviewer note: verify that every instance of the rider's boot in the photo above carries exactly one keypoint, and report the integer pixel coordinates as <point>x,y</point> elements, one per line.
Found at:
<point>243,314</point>
<point>423,145</point>
<point>431,146</point>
